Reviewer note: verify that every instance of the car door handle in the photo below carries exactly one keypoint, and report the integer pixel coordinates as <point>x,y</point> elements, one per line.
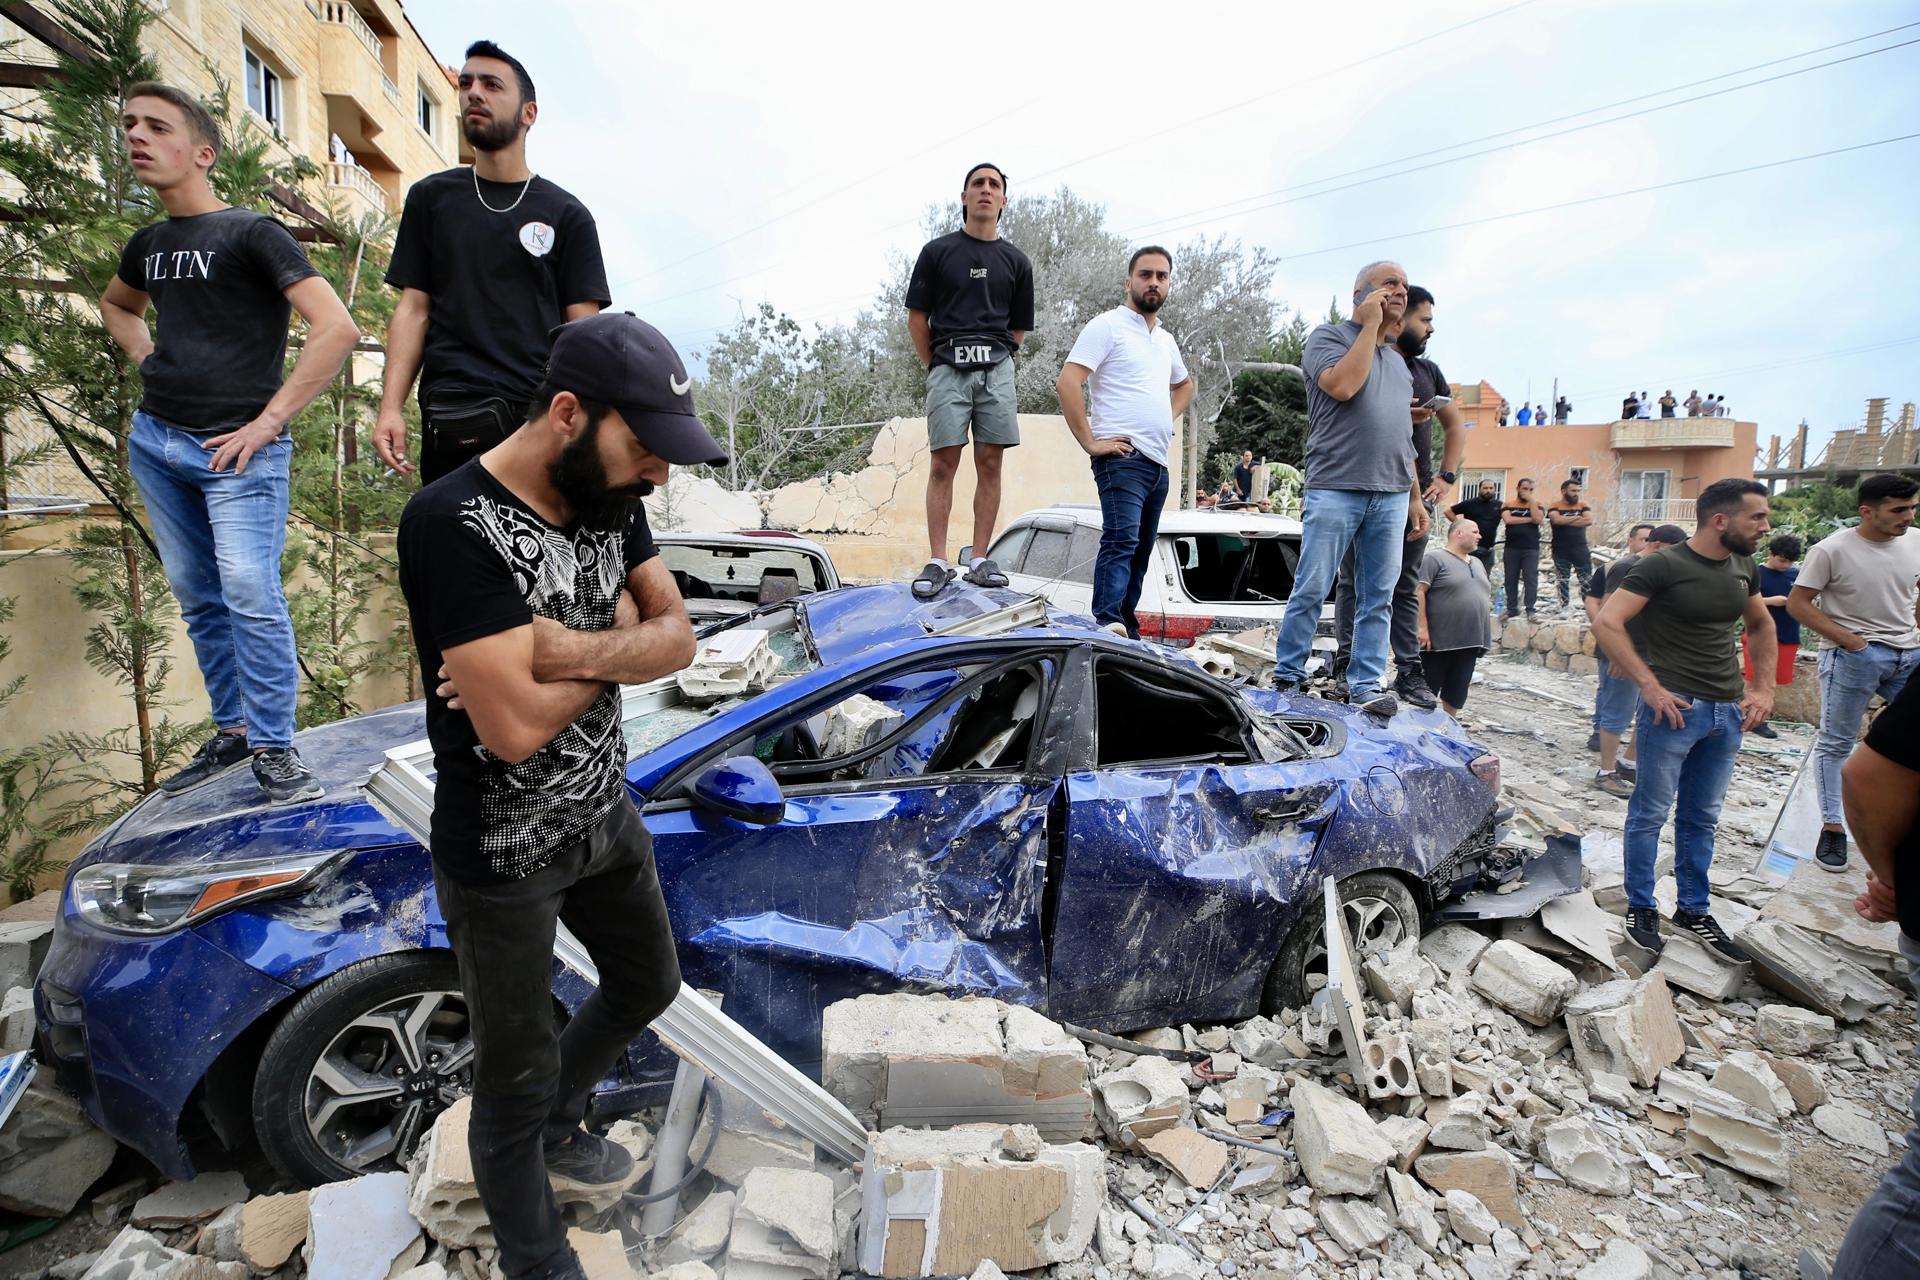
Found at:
<point>1280,811</point>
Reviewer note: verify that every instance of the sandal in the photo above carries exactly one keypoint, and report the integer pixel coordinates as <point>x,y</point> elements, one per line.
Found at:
<point>986,574</point>
<point>932,580</point>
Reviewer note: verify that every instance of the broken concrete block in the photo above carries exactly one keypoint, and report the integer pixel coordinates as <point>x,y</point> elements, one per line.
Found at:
<point>1458,1124</point>
<point>16,1020</point>
<point>749,1138</point>
<point>176,1204</point>
<point>1407,1136</point>
<point>1686,963</point>
<point>1142,1099</point>
<point>1577,921</point>
<point>913,1060</point>
<point>1340,1150</point>
<point>1849,1126</point>
<point>1434,1076</point>
<point>443,1197</point>
<point>1389,1065</point>
<point>1198,1159</point>
<point>1469,1219</point>
<point>1453,947</point>
<point>271,1228</point>
<point>1246,1098</point>
<point>728,663</point>
<point>1523,982</point>
<point>1354,1224</point>
<point>1793,1031</point>
<point>1727,1130</point>
<point>1614,1090</point>
<point>1626,1027</point>
<point>1413,1208</point>
<point>1623,1260</point>
<point>1574,1149</point>
<point>135,1255</point>
<point>356,1228</point>
<point>1488,1174</point>
<point>684,1271</point>
<point>1803,1080</point>
<point>1395,976</point>
<point>703,1233</point>
<point>942,1202</point>
<point>1793,961</point>
<point>783,1227</point>
<point>855,723</point>
<point>50,1153</point>
<point>23,946</point>
<point>1749,1077</point>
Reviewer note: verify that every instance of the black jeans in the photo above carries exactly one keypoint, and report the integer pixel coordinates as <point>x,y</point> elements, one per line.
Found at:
<point>1450,673</point>
<point>1571,569</point>
<point>1522,565</point>
<point>1484,554</point>
<point>531,1086</point>
<point>1403,624</point>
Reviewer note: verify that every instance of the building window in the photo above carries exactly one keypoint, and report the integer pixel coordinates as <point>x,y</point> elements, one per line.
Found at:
<point>1470,395</point>
<point>265,93</point>
<point>1578,475</point>
<point>1470,482</point>
<point>427,112</point>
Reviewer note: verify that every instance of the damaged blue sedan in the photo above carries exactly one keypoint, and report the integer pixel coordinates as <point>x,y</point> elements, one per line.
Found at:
<point>970,795</point>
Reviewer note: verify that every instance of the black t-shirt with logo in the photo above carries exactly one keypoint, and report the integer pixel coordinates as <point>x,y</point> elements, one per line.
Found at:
<point>1569,540</point>
<point>1484,512</point>
<point>474,561</point>
<point>971,288</point>
<point>500,281</point>
<point>218,283</point>
<point>1522,537</point>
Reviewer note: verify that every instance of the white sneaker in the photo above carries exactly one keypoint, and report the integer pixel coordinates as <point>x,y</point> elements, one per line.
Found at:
<point>1117,628</point>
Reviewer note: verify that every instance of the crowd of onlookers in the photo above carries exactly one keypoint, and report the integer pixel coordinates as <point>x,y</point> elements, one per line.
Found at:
<point>1640,404</point>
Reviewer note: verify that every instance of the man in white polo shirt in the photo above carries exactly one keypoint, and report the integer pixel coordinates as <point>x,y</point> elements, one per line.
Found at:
<point>1139,386</point>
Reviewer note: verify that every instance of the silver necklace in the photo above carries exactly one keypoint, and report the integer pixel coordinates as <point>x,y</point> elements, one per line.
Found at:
<point>516,200</point>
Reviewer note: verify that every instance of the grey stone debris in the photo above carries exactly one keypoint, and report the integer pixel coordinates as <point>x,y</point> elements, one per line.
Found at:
<point>176,1204</point>
<point>1340,1150</point>
<point>783,1227</point>
<point>702,1234</point>
<point>1815,974</point>
<point>16,1020</point>
<point>1469,1219</point>
<point>1459,1124</point>
<point>1627,1028</point>
<point>1623,1260</point>
<point>1750,1077</point>
<point>1453,947</point>
<point>1354,1224</point>
<point>1793,1031</point>
<point>357,1228</point>
<point>136,1255</point>
<point>23,945</point>
<point>1847,1124</point>
<point>1686,963</point>
<point>1523,982</point>
<point>50,1153</point>
<point>749,1138</point>
<point>1575,1149</point>
<point>1141,1099</point>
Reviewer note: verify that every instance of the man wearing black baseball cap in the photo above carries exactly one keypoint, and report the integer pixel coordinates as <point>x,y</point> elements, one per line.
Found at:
<point>535,592</point>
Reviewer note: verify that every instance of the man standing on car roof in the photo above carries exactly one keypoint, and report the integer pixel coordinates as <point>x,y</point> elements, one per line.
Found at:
<point>969,307</point>
<point>489,260</point>
<point>1139,383</point>
<point>535,592</point>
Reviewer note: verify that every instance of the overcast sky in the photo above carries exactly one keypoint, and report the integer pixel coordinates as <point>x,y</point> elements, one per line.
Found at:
<point>745,152</point>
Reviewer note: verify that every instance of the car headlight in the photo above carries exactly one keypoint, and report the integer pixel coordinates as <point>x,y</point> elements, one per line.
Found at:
<point>157,899</point>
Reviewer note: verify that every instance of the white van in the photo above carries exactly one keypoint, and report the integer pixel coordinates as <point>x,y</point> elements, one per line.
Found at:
<point>1212,571</point>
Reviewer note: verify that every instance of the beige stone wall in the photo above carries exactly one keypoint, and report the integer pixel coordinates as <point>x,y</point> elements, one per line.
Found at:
<point>874,521</point>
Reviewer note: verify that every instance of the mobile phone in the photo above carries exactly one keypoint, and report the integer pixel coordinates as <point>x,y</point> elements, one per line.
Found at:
<point>1438,402</point>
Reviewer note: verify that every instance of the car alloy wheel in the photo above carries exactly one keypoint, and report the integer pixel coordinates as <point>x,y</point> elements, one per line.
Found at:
<point>376,1088</point>
<point>1374,924</point>
<point>1381,912</point>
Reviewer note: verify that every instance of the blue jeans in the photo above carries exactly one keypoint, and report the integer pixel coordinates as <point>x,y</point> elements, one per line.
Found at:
<point>1375,526</point>
<point>1848,682</point>
<point>1884,1239</point>
<point>1691,765</point>
<point>1132,491</point>
<point>220,537</point>
<point>1614,701</point>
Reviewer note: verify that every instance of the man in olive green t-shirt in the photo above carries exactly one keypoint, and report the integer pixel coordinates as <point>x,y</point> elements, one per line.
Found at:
<point>1690,602</point>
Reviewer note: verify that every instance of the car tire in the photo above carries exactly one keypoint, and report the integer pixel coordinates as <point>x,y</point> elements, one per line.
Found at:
<point>331,1065</point>
<point>1381,911</point>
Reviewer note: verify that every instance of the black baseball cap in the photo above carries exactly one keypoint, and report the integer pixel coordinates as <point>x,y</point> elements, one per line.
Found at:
<point>619,359</point>
<point>1670,534</point>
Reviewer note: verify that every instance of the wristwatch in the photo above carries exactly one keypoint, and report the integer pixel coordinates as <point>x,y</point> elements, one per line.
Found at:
<point>1447,476</point>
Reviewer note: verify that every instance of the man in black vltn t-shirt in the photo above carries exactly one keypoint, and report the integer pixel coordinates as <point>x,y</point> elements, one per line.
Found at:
<point>489,261</point>
<point>209,447</point>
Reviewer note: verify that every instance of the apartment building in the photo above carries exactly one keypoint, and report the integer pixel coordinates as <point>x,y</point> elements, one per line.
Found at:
<point>1649,469</point>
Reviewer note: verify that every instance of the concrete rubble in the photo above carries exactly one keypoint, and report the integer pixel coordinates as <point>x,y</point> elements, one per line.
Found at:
<point>729,663</point>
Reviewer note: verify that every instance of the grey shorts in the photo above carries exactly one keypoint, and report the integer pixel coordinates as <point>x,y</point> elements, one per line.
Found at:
<point>984,398</point>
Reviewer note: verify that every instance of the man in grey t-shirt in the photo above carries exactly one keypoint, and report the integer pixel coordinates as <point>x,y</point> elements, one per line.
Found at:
<point>1361,487</point>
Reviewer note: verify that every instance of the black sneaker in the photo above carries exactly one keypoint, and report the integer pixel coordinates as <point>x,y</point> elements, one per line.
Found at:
<point>218,754</point>
<point>1593,740</point>
<point>1831,851</point>
<point>1763,730</point>
<point>1708,930</point>
<point>986,574</point>
<point>1627,769</point>
<point>1337,690</point>
<point>589,1160</point>
<point>1643,926</point>
<point>285,780</point>
<point>1413,690</point>
<point>932,580</point>
<point>1286,686</point>
<point>1378,703</point>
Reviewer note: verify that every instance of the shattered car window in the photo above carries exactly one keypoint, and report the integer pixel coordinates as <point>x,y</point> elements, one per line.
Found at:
<point>738,573</point>
<point>1142,717</point>
<point>654,726</point>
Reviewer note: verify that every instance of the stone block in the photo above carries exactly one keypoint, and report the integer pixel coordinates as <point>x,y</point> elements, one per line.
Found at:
<point>783,1227</point>
<point>1686,963</point>
<point>1389,1068</point>
<point>1803,1080</point>
<point>23,945</point>
<point>16,1020</point>
<point>1724,1129</point>
<point>1567,638</point>
<point>1541,641</point>
<point>1245,1096</point>
<point>1848,1125</point>
<point>1413,1208</point>
<point>177,1204</point>
<point>940,1202</point>
<point>1622,1260</point>
<point>1575,1149</point>
<point>914,1060</point>
<point>1523,982</point>
<point>1394,976</point>
<point>1458,1124</point>
<point>1750,1077</point>
<point>1468,1218</point>
<point>136,1255</point>
<point>1583,664</point>
<point>728,663</point>
<point>749,1138</point>
<point>1354,1224</point>
<point>50,1153</point>
<point>1453,947</point>
<point>1141,1099</point>
<point>1434,1075</point>
<point>703,1233</point>
<point>1516,634</point>
<point>1488,1174</point>
<point>602,1254</point>
<point>1407,1136</point>
<point>356,1228</point>
<point>442,1195</point>
<point>271,1228</point>
<point>1790,959</point>
<point>1626,1027</point>
<point>1792,1031</point>
<point>1340,1150</point>
<point>855,723</point>
<point>1198,1159</point>
<point>1554,660</point>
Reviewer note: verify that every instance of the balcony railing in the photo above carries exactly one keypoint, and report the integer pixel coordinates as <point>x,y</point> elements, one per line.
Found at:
<point>338,11</point>
<point>351,177</point>
<point>393,90</point>
<point>1628,511</point>
<point>1673,433</point>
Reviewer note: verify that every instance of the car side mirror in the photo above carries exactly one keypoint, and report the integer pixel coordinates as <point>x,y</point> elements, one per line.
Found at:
<point>740,787</point>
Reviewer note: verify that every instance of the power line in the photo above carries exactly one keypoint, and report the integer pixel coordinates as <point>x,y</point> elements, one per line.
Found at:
<point>1611,195</point>
<point>1175,222</point>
